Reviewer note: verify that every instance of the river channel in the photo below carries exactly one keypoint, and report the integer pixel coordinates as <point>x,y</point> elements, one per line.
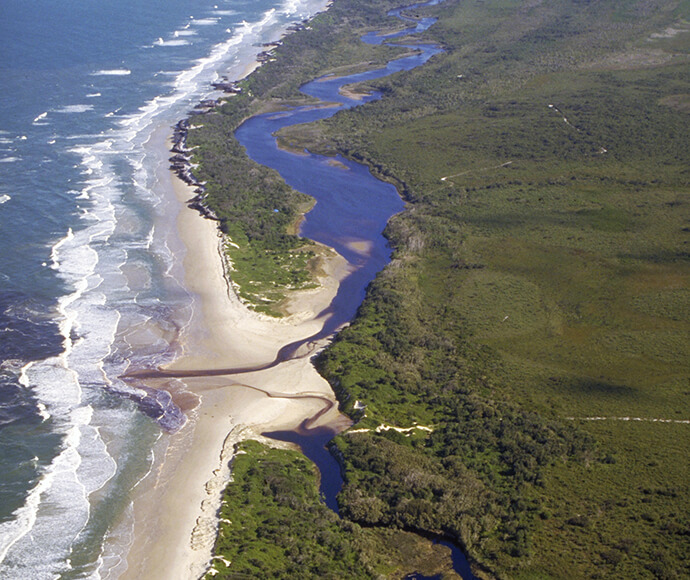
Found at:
<point>351,211</point>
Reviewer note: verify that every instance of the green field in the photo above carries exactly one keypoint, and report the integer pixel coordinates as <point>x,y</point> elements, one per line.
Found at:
<point>536,315</point>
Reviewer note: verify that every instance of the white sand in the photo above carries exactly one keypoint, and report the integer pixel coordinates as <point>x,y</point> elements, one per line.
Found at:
<point>175,512</point>
<point>176,505</point>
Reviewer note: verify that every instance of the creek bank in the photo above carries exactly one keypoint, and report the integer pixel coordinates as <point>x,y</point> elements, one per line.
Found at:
<point>352,206</point>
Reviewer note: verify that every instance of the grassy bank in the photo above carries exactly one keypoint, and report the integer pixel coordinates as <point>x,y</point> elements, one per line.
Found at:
<point>540,281</point>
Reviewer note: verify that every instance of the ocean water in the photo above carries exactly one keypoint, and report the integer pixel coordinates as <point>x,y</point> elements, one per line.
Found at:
<point>90,262</point>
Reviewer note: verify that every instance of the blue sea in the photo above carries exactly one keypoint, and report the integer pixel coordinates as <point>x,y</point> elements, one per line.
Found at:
<point>90,262</point>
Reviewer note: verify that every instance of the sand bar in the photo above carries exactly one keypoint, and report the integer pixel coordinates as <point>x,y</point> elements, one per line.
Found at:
<point>175,511</point>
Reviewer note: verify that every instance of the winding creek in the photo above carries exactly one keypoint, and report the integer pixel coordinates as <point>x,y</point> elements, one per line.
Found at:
<point>351,211</point>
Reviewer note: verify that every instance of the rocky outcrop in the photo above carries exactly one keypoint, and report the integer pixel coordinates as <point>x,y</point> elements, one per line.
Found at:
<point>229,87</point>
<point>181,164</point>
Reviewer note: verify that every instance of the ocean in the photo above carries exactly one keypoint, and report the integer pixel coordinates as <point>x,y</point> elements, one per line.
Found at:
<point>90,266</point>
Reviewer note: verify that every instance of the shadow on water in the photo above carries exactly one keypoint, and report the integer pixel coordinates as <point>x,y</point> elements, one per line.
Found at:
<point>460,564</point>
<point>313,443</point>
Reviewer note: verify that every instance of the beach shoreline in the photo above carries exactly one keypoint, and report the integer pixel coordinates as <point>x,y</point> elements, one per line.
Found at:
<point>175,508</point>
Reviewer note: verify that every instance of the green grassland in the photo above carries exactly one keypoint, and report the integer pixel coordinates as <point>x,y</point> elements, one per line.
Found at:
<point>540,280</point>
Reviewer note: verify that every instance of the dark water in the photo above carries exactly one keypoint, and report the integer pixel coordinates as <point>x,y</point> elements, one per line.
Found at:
<point>313,444</point>
<point>460,564</point>
<point>352,209</point>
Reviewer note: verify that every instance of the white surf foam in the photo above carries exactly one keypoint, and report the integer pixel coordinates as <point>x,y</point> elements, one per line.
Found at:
<point>189,84</point>
<point>112,72</point>
<point>83,465</point>
<point>73,109</point>
<point>173,42</point>
<point>57,508</point>
<point>205,21</point>
<point>4,198</point>
<point>64,385</point>
<point>185,32</point>
<point>290,8</point>
<point>55,264</point>
<point>43,411</point>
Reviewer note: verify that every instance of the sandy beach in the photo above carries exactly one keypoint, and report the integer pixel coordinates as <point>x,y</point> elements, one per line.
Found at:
<point>175,511</point>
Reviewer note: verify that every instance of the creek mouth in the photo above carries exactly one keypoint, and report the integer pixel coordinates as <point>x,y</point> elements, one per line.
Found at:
<point>351,212</point>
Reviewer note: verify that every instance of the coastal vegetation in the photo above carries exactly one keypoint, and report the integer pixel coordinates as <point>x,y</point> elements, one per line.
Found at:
<point>535,319</point>
<point>273,525</point>
<point>257,211</point>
